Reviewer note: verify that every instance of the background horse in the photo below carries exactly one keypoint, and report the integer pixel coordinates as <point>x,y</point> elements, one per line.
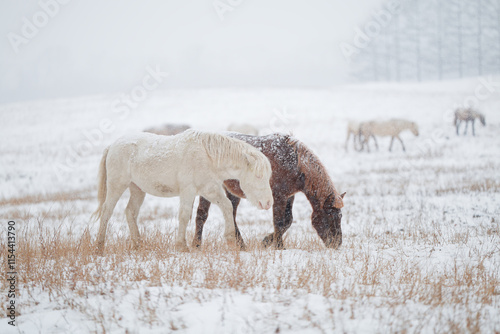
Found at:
<point>391,128</point>
<point>186,165</point>
<point>244,128</point>
<point>168,129</point>
<point>468,115</point>
<point>295,169</point>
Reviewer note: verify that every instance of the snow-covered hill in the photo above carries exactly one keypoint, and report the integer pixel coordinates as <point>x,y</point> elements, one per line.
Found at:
<point>430,213</point>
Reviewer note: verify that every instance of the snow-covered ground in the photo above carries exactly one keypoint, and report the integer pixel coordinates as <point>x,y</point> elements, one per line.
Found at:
<point>421,229</point>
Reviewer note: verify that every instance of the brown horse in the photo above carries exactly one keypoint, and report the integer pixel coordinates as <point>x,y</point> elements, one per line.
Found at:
<point>294,169</point>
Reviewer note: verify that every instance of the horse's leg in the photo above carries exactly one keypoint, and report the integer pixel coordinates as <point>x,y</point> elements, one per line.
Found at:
<point>366,140</point>
<point>347,140</point>
<point>113,194</point>
<point>132,211</point>
<point>473,131</point>
<point>283,218</point>
<point>356,139</point>
<point>390,146</point>
<point>201,218</point>
<point>466,126</point>
<point>185,211</point>
<point>376,143</point>
<point>404,149</point>
<point>219,198</point>
<point>235,201</point>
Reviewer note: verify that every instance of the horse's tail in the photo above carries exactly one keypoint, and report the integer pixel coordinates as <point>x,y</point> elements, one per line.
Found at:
<point>101,185</point>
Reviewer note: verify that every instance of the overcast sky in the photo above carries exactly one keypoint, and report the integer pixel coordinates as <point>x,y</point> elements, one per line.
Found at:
<point>93,47</point>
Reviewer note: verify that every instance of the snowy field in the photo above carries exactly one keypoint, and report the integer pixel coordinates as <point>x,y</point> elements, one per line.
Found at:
<point>421,240</point>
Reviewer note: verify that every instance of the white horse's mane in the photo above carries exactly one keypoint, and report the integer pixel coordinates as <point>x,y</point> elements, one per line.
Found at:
<point>224,150</point>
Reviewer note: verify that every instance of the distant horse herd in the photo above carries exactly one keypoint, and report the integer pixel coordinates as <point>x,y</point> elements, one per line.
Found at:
<point>361,132</point>
<point>176,161</point>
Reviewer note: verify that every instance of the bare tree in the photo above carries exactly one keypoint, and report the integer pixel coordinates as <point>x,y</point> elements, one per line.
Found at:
<point>440,39</point>
<point>478,35</point>
<point>434,39</point>
<point>458,4</point>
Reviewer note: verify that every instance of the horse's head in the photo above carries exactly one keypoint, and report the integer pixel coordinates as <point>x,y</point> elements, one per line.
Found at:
<point>414,128</point>
<point>327,221</point>
<point>482,119</point>
<point>255,181</point>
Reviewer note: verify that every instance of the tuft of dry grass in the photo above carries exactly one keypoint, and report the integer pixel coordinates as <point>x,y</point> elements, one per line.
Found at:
<point>84,194</point>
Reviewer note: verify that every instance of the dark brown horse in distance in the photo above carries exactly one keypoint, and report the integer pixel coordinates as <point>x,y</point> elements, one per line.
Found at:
<point>294,169</point>
<point>467,115</point>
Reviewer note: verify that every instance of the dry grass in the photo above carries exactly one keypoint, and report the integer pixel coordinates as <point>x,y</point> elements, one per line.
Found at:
<point>370,265</point>
<point>84,194</point>
<point>409,259</point>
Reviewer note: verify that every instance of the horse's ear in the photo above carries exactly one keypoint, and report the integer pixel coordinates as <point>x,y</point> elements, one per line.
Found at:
<point>251,160</point>
<point>333,201</point>
<point>329,201</point>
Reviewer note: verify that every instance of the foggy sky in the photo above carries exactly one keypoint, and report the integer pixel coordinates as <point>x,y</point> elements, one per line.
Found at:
<point>94,47</point>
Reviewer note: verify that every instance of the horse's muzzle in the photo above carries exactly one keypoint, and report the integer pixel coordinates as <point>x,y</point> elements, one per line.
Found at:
<point>334,242</point>
<point>265,206</point>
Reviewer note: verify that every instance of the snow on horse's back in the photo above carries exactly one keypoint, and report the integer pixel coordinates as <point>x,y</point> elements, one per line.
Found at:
<point>186,165</point>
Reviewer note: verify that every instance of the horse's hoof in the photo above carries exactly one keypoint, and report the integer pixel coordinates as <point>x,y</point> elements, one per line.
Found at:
<point>268,240</point>
<point>136,246</point>
<point>182,248</point>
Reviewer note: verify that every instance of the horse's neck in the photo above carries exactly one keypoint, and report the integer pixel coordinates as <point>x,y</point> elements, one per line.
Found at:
<point>314,184</point>
<point>313,198</point>
<point>229,173</point>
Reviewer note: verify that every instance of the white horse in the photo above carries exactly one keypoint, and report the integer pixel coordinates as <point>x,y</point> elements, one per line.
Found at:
<point>186,165</point>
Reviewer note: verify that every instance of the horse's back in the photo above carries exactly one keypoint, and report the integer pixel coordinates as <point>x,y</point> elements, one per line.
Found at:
<point>156,163</point>
<point>353,126</point>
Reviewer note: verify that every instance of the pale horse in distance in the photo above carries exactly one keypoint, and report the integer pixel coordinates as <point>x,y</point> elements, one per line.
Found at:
<point>392,128</point>
<point>186,165</point>
<point>244,128</point>
<point>468,115</point>
<point>168,129</point>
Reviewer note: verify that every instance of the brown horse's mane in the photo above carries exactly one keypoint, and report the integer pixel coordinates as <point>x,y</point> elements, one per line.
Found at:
<point>317,181</point>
